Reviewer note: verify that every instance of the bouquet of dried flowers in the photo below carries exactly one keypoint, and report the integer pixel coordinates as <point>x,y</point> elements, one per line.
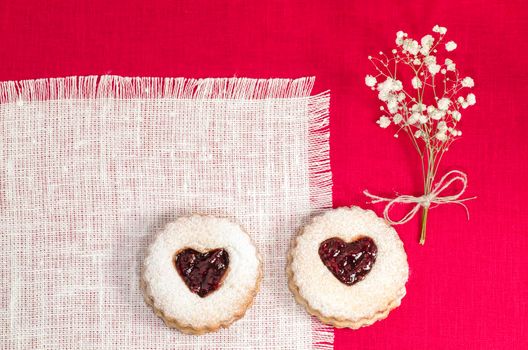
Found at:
<point>423,95</point>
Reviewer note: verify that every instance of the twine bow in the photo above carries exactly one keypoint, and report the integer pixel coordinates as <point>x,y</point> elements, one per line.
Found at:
<point>434,197</point>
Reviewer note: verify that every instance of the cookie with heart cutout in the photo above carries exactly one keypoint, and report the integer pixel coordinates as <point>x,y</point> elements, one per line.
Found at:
<point>201,273</point>
<point>348,267</point>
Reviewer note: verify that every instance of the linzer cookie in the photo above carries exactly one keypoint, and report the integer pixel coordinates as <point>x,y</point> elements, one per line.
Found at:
<point>348,267</point>
<point>201,273</point>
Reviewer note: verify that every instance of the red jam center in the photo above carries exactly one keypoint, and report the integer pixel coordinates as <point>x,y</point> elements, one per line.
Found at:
<point>349,262</point>
<point>202,272</point>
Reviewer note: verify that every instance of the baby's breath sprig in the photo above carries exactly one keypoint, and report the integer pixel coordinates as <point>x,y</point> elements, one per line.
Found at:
<point>423,98</point>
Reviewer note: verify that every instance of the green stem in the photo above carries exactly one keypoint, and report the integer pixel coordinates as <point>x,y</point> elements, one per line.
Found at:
<point>424,225</point>
<point>428,184</point>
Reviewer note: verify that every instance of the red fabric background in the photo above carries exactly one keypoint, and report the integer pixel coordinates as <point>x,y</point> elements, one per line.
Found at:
<point>468,285</point>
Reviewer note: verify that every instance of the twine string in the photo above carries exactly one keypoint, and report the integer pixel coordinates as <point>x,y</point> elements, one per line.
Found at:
<point>434,197</point>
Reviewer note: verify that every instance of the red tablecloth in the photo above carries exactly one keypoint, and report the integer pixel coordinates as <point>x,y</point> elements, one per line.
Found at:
<point>468,286</point>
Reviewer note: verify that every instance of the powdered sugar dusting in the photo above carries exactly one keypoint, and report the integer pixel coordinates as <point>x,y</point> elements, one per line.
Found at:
<point>202,233</point>
<point>325,293</point>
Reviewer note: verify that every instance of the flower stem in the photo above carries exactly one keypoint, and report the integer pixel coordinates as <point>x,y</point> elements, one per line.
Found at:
<point>428,185</point>
<point>425,210</point>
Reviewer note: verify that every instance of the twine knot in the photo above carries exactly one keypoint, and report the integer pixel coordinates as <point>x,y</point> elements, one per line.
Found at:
<point>426,200</point>
<point>434,197</point>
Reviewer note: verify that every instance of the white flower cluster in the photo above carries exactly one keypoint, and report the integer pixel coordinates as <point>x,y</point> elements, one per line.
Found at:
<point>426,99</point>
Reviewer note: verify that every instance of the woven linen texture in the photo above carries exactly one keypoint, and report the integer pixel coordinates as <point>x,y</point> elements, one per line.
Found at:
<point>93,167</point>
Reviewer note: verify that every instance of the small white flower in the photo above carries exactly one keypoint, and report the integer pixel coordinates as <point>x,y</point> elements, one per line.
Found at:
<point>400,34</point>
<point>418,107</point>
<point>401,96</point>
<point>385,89</point>
<point>450,65</point>
<point>471,100</point>
<point>413,118</point>
<point>370,81</point>
<point>383,94</point>
<point>443,71</point>
<point>438,29</point>
<point>422,119</point>
<point>434,68</point>
<point>417,62</point>
<point>459,133</point>
<point>430,60</point>
<point>457,115</point>
<point>383,122</point>
<point>468,82</point>
<point>442,126</point>
<point>416,83</point>
<point>441,136</point>
<point>418,133</point>
<point>460,99</point>
<point>439,114</point>
<point>392,104</point>
<point>436,114</point>
<point>399,37</point>
<point>464,104</point>
<point>427,42</point>
<point>443,103</point>
<point>390,85</point>
<point>411,46</point>
<point>397,118</point>
<point>450,46</point>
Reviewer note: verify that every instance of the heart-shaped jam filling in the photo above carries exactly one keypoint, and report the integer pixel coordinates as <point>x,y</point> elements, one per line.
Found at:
<point>202,272</point>
<point>349,262</point>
